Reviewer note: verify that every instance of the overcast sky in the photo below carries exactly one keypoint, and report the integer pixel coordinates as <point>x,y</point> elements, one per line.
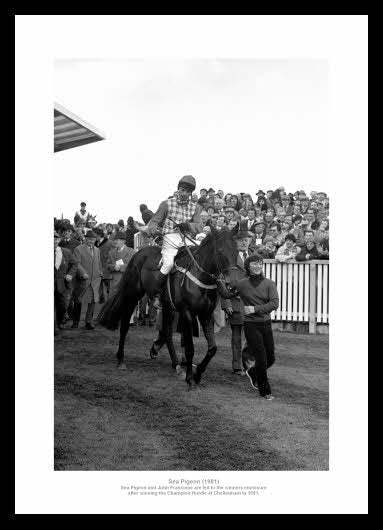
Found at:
<point>236,125</point>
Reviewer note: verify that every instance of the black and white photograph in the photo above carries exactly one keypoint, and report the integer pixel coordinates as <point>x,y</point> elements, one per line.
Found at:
<point>189,320</point>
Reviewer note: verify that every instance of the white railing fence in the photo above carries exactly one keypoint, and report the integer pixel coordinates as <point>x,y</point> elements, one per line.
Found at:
<point>303,288</point>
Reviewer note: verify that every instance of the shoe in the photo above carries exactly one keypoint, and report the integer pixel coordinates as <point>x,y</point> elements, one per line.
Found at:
<point>238,372</point>
<point>269,397</point>
<point>74,325</point>
<point>252,379</point>
<point>89,326</point>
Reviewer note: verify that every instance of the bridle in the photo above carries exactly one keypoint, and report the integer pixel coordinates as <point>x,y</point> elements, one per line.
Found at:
<point>217,278</point>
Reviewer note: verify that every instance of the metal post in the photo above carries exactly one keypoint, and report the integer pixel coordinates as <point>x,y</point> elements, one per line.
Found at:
<point>312,298</point>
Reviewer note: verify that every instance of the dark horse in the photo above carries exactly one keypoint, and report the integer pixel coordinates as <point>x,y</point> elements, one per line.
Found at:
<point>192,289</point>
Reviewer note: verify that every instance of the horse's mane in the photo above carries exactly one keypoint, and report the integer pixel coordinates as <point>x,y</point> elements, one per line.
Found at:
<point>198,251</point>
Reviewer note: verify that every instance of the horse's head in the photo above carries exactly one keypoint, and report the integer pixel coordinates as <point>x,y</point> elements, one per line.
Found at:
<point>223,259</point>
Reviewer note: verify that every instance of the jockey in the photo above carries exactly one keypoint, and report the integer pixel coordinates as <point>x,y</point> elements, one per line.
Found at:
<point>175,215</point>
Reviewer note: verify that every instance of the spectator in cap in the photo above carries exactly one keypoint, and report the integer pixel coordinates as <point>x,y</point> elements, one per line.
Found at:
<point>64,271</point>
<point>86,285</point>
<point>104,245</point>
<point>234,307</point>
<point>118,258</point>
<point>81,214</point>
<point>288,250</point>
<point>230,214</point>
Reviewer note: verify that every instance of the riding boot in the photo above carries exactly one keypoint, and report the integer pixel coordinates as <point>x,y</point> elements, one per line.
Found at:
<point>157,295</point>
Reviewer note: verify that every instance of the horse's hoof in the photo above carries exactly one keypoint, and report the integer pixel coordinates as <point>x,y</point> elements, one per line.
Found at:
<point>153,353</point>
<point>122,367</point>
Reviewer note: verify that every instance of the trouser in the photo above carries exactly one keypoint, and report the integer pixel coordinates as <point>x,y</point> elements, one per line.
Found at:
<point>60,307</point>
<point>170,245</point>
<point>260,342</point>
<point>89,312</point>
<point>236,345</point>
<point>104,287</point>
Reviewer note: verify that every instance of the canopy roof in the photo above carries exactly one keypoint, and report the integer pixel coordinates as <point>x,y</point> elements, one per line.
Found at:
<point>71,131</point>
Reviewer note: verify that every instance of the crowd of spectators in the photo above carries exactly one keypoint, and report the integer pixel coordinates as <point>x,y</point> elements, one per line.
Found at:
<point>282,226</point>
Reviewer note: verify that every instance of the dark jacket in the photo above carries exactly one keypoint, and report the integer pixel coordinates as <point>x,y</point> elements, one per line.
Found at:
<point>262,295</point>
<point>146,215</point>
<point>104,248</point>
<point>236,303</point>
<point>130,231</point>
<point>71,244</point>
<point>67,266</point>
<point>314,253</point>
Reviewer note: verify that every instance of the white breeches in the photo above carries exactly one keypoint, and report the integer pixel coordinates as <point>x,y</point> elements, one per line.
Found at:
<point>170,245</point>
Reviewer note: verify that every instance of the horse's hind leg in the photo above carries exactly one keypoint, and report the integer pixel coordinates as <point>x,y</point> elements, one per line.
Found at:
<point>167,330</point>
<point>124,328</point>
<point>208,329</point>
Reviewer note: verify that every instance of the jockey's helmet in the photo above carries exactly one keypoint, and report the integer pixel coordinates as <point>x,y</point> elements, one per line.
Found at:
<point>188,182</point>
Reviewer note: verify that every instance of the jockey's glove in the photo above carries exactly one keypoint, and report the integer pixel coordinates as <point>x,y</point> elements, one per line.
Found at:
<point>183,227</point>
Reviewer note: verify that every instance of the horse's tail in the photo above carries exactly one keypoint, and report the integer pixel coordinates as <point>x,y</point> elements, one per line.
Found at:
<point>125,296</point>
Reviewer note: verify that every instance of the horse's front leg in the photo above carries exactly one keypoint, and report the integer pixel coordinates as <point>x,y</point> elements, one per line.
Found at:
<point>208,329</point>
<point>187,329</point>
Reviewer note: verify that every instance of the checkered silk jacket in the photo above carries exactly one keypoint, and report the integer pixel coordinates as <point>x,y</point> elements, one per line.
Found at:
<point>179,213</point>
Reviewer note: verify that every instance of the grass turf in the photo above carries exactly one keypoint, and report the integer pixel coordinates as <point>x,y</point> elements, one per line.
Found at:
<point>146,419</point>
